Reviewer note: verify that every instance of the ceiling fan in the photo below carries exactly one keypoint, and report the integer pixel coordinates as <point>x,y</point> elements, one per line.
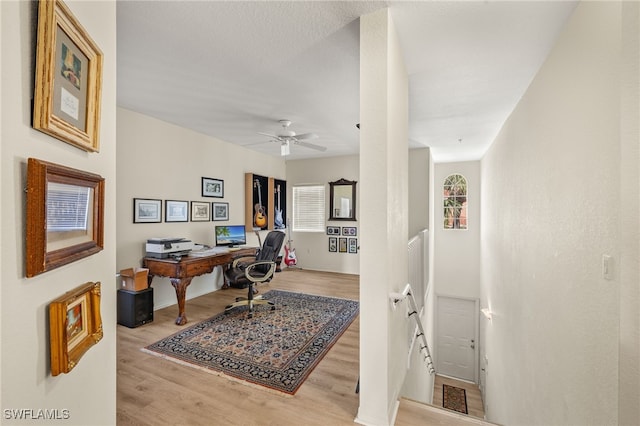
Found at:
<point>287,136</point>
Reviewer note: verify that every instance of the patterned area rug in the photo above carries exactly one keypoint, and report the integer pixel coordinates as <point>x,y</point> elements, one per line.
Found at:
<point>454,398</point>
<point>277,349</point>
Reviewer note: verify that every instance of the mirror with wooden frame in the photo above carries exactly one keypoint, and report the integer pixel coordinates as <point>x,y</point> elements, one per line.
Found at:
<point>65,215</point>
<point>342,200</point>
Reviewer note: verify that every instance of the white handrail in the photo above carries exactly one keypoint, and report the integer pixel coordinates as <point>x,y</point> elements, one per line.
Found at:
<point>408,294</point>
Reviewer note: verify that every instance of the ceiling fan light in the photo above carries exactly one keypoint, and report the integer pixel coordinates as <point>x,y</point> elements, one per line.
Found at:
<point>284,148</point>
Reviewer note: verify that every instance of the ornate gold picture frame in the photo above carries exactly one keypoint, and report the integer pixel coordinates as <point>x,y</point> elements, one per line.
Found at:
<point>65,215</point>
<point>68,78</point>
<point>75,325</point>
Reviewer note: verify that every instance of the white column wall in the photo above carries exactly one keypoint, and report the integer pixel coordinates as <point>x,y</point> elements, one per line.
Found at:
<point>383,217</point>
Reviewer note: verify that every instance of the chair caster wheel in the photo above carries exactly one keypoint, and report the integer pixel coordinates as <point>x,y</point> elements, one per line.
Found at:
<point>273,308</point>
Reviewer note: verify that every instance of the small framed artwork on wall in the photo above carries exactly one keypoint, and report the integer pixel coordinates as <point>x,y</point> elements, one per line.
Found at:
<point>212,187</point>
<point>176,211</point>
<point>75,325</point>
<point>353,245</point>
<point>333,230</point>
<point>333,244</point>
<point>349,231</point>
<point>343,245</point>
<point>220,211</point>
<point>147,210</point>
<point>200,212</point>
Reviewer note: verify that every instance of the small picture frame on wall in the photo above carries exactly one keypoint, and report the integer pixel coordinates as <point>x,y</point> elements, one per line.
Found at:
<point>176,211</point>
<point>147,210</point>
<point>333,230</point>
<point>68,78</point>
<point>75,325</point>
<point>212,187</point>
<point>351,231</point>
<point>343,245</point>
<point>220,211</point>
<point>200,211</point>
<point>333,244</point>
<point>353,245</point>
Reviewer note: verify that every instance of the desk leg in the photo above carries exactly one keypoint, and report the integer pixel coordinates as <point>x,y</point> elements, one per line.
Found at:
<point>181,284</point>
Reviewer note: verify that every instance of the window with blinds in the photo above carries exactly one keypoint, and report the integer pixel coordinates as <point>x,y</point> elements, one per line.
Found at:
<point>308,208</point>
<point>67,207</point>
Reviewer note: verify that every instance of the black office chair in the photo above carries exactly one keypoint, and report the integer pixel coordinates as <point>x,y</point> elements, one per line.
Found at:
<point>251,270</point>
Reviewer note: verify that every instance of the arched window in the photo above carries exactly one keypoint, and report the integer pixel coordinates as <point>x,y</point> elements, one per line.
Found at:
<point>455,202</point>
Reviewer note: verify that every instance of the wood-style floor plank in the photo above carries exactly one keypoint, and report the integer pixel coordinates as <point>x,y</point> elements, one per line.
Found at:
<point>154,391</point>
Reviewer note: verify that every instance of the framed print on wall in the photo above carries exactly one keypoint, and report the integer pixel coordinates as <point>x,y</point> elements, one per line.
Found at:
<point>147,210</point>
<point>333,230</point>
<point>333,244</point>
<point>176,211</point>
<point>353,245</point>
<point>68,79</point>
<point>75,325</point>
<point>200,212</point>
<point>349,230</point>
<point>212,187</point>
<point>65,215</point>
<point>220,211</point>
<point>343,245</point>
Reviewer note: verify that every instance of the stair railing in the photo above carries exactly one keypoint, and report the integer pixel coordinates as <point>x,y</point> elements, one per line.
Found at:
<point>407,294</point>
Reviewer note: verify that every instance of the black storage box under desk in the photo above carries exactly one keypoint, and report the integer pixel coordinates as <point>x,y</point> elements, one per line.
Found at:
<point>135,308</point>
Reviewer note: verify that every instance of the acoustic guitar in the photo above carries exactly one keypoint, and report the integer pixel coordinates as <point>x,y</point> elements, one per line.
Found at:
<point>259,219</point>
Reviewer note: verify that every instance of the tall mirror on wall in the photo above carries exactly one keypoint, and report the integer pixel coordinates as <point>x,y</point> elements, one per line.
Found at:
<point>342,200</point>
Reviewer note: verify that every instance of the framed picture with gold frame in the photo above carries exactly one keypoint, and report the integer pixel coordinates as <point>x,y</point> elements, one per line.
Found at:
<point>68,78</point>
<point>65,215</point>
<point>75,325</point>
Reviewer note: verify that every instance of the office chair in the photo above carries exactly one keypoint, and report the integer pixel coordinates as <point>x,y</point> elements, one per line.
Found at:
<point>251,270</point>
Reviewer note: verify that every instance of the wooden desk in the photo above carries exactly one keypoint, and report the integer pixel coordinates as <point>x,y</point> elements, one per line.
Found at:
<point>181,272</point>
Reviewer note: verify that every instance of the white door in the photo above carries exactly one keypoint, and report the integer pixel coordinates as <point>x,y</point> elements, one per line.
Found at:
<point>456,344</point>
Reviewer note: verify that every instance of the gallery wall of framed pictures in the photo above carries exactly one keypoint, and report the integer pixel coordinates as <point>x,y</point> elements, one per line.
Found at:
<point>343,239</point>
<point>152,210</point>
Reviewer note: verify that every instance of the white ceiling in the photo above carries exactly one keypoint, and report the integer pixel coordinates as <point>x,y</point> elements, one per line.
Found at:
<point>230,69</point>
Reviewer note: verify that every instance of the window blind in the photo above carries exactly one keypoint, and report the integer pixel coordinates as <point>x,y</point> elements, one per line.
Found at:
<point>67,207</point>
<point>308,208</point>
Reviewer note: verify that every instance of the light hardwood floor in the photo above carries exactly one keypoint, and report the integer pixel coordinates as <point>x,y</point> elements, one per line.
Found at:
<point>153,391</point>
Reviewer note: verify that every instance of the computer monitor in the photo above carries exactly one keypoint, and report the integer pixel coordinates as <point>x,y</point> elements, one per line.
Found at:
<point>231,235</point>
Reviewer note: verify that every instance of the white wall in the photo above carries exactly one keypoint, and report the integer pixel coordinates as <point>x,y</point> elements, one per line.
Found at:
<point>419,170</point>
<point>383,217</point>
<point>159,160</point>
<point>457,252</point>
<point>312,249</point>
<point>629,345</point>
<point>550,209</point>
<point>89,390</point>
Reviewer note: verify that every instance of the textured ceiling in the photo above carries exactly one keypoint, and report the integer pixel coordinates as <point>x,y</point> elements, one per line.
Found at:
<point>231,69</point>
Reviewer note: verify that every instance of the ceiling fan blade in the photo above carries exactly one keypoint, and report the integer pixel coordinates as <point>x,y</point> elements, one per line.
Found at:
<point>311,145</point>
<point>270,135</point>
<point>306,136</point>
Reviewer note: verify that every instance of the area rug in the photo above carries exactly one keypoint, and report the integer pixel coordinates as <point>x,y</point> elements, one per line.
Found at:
<point>277,348</point>
<point>454,398</point>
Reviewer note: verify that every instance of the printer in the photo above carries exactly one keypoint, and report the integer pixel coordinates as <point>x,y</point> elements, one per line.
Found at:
<point>162,248</point>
